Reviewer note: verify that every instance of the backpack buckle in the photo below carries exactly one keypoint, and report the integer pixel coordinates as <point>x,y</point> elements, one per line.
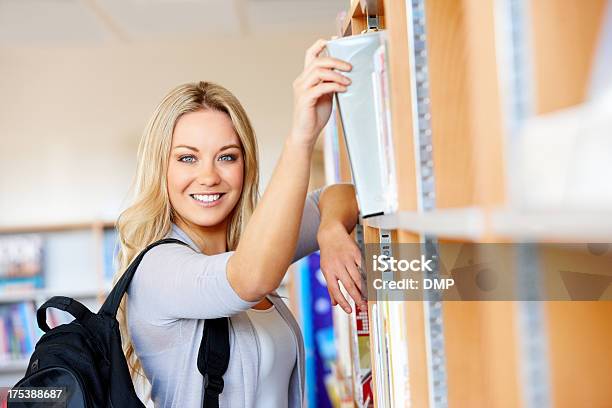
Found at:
<point>214,383</point>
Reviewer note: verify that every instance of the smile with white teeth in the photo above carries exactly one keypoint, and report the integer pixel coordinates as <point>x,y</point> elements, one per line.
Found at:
<point>206,198</point>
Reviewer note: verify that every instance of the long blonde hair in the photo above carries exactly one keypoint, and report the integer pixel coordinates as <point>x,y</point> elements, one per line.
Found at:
<point>150,216</point>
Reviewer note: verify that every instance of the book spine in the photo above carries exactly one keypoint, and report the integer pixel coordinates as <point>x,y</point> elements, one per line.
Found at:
<point>3,335</point>
<point>18,331</point>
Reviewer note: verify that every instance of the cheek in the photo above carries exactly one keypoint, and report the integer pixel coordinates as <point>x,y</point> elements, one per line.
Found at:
<point>234,176</point>
<point>177,180</point>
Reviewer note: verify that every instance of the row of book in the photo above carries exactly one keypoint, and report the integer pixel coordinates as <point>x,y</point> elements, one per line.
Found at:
<point>18,331</point>
<point>22,269</point>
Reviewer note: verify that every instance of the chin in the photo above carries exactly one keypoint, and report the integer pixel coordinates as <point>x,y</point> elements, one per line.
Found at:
<point>210,218</point>
<point>207,220</point>
<point>207,223</point>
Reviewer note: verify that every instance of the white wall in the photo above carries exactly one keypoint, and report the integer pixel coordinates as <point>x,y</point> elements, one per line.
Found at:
<point>70,118</point>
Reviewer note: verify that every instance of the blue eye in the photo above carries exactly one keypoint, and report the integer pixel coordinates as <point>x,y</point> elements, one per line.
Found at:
<point>187,159</point>
<point>227,157</point>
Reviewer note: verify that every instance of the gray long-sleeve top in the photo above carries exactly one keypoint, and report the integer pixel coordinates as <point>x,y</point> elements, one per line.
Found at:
<point>174,289</point>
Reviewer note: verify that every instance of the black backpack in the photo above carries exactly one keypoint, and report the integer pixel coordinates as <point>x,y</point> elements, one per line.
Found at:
<point>85,358</point>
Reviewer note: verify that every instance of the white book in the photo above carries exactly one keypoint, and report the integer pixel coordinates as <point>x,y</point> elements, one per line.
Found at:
<point>382,104</point>
<point>331,150</point>
<point>357,108</point>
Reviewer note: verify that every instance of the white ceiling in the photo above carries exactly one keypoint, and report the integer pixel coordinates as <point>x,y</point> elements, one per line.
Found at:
<point>86,22</point>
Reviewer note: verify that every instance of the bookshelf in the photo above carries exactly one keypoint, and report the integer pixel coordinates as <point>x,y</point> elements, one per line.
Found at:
<point>40,295</point>
<point>17,366</point>
<point>76,262</point>
<point>465,77</point>
<point>470,223</point>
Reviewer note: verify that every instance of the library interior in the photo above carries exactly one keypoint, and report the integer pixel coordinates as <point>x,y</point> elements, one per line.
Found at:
<point>476,134</point>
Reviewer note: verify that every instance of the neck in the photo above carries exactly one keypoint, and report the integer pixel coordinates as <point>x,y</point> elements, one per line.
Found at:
<point>210,240</point>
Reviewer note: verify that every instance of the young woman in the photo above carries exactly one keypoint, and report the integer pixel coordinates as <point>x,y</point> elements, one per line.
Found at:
<point>197,181</point>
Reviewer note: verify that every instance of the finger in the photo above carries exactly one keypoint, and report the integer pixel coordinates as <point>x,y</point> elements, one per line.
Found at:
<point>337,294</point>
<point>355,275</point>
<point>329,279</point>
<point>321,63</point>
<point>357,257</point>
<point>351,288</point>
<point>324,88</point>
<point>313,52</point>
<point>331,297</point>
<point>361,284</point>
<point>331,63</point>
<point>327,75</point>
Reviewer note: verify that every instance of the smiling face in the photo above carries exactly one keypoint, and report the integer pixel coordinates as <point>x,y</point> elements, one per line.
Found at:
<point>206,168</point>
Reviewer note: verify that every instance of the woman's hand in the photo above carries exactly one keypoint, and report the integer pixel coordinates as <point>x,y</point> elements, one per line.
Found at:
<point>313,91</point>
<point>341,261</point>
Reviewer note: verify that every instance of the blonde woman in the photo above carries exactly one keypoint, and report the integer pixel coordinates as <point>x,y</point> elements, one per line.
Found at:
<point>197,181</point>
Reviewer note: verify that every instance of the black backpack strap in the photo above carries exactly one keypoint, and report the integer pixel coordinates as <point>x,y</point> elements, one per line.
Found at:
<point>74,307</point>
<point>213,359</point>
<point>111,305</point>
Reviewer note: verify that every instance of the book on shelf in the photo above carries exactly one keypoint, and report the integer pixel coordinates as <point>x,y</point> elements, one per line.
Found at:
<point>331,148</point>
<point>362,366</point>
<point>21,262</point>
<point>382,105</point>
<point>343,364</point>
<point>365,116</point>
<point>353,368</point>
<point>18,331</point>
<point>315,318</point>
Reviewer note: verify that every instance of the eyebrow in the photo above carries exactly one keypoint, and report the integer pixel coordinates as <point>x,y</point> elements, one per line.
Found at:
<point>195,149</point>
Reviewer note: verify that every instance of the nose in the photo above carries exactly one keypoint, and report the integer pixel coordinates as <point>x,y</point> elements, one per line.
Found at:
<point>208,175</point>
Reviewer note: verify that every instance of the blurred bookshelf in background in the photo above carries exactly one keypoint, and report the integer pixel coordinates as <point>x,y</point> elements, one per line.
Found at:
<point>38,262</point>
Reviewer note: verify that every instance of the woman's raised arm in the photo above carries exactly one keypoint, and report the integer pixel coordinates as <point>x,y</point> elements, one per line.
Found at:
<point>268,243</point>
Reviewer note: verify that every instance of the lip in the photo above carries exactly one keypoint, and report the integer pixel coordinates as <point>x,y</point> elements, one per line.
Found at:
<point>208,204</point>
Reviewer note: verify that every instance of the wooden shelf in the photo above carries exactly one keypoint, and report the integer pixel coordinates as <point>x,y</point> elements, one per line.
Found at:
<point>47,293</point>
<point>472,223</point>
<point>467,223</point>
<point>355,20</point>
<point>354,12</point>
<point>14,366</point>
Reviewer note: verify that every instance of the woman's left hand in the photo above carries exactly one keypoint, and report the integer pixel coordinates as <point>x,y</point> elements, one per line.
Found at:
<point>341,261</point>
<point>313,91</point>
